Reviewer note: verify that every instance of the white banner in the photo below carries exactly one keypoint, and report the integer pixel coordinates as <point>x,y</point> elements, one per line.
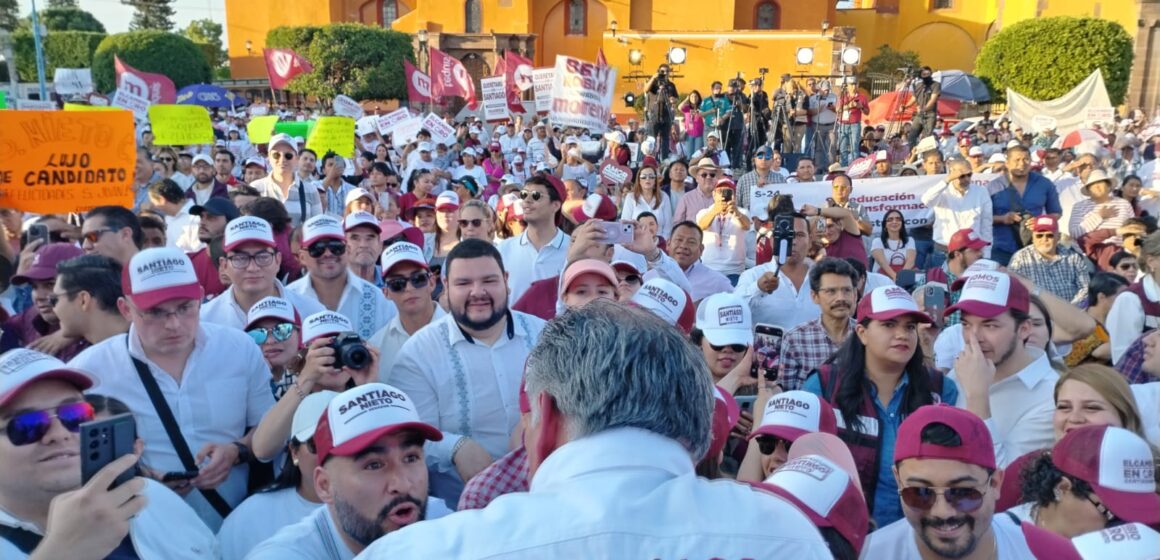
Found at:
<point>405,132</point>
<point>582,94</point>
<point>71,81</point>
<point>389,121</point>
<point>135,103</point>
<point>347,107</point>
<point>34,105</point>
<point>876,196</point>
<point>1070,111</point>
<point>543,78</point>
<point>494,99</point>
<point>259,110</point>
<point>441,132</point>
<point>366,125</point>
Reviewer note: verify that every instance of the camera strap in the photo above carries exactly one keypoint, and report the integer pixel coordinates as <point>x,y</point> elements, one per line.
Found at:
<point>170,423</point>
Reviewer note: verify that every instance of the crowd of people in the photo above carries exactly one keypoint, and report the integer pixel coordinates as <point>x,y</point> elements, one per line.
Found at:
<point>482,347</point>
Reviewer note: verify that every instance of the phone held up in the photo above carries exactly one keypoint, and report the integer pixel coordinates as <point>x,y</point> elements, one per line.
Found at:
<point>783,237</point>
<point>934,302</point>
<point>766,352</point>
<point>105,441</point>
<point>38,231</point>
<point>617,233</point>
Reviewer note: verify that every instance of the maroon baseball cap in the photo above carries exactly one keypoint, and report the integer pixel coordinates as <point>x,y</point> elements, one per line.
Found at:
<point>966,238</point>
<point>726,413</point>
<point>45,261</point>
<point>976,448</point>
<point>595,207</point>
<point>1118,465</point>
<point>1045,223</point>
<point>427,203</point>
<point>558,185</point>
<point>989,294</point>
<point>889,302</point>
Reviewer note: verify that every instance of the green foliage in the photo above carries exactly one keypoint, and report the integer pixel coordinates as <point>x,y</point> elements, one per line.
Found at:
<point>151,14</point>
<point>888,61</point>
<point>1045,58</point>
<point>207,34</point>
<point>151,51</point>
<point>9,14</point>
<point>359,61</point>
<point>65,19</point>
<point>62,49</point>
<point>64,4</point>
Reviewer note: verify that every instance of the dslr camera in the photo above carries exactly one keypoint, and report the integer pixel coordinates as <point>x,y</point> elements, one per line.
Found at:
<point>350,351</point>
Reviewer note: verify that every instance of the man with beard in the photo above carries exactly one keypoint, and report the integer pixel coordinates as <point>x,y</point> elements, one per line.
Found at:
<point>213,216</point>
<point>370,475</point>
<point>948,481</point>
<point>223,168</point>
<point>803,348</point>
<point>205,185</point>
<point>463,370</point>
<point>331,283</point>
<point>1018,193</point>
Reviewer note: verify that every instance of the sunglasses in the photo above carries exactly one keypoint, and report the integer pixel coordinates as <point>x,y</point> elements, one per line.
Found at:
<point>1129,266</point>
<point>474,222</point>
<point>166,159</point>
<point>534,195</point>
<point>392,184</point>
<point>768,444</point>
<point>282,155</point>
<point>738,348</point>
<point>1108,515</point>
<point>632,279</point>
<point>30,427</point>
<point>336,248</point>
<point>763,156</point>
<point>643,177</point>
<point>95,235</point>
<point>281,332</point>
<point>708,175</point>
<point>417,280</point>
<point>963,500</point>
<point>1044,235</point>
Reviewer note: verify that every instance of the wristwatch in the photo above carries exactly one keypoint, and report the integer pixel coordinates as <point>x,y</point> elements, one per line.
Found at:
<point>244,453</point>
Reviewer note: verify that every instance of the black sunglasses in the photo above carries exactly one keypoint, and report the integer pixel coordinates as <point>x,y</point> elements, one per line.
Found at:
<point>417,280</point>
<point>282,155</point>
<point>30,427</point>
<point>738,348</point>
<point>962,499</point>
<point>336,248</point>
<point>632,279</point>
<point>535,195</point>
<point>768,444</point>
<point>474,222</point>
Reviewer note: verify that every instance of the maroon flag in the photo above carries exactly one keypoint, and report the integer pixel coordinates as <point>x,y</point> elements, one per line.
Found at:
<point>157,88</point>
<point>450,78</point>
<point>600,60</point>
<point>418,84</point>
<point>282,65</point>
<point>519,72</point>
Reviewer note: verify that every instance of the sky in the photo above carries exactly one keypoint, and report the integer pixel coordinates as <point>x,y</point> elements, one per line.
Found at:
<point>116,16</point>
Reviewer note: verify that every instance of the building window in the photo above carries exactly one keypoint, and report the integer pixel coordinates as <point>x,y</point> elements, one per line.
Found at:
<point>767,16</point>
<point>473,14</point>
<point>942,4</point>
<point>390,12</point>
<point>577,17</point>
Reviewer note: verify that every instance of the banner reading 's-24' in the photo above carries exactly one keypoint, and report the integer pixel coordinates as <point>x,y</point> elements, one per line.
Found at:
<point>582,94</point>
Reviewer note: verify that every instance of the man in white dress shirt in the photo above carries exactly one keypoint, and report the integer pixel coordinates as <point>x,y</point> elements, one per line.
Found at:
<point>329,281</point>
<point>614,428</point>
<point>542,249</point>
<point>180,226</point>
<point>686,247</point>
<point>463,370</point>
<point>251,262</point>
<point>779,295</point>
<point>958,205</point>
<point>283,183</point>
<point>408,283</point>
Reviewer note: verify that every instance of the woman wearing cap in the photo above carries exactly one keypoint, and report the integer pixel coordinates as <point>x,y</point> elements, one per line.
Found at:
<point>883,358</point>
<point>446,226</point>
<point>1094,477</point>
<point>1138,309</point>
<point>1094,220</point>
<point>587,280</point>
<point>646,196</point>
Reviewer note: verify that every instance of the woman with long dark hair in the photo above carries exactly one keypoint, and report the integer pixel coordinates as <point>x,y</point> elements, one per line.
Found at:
<point>874,380</point>
<point>893,251</point>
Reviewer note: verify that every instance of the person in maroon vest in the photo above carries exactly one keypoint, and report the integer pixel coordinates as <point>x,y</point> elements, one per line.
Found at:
<point>38,326</point>
<point>843,226</point>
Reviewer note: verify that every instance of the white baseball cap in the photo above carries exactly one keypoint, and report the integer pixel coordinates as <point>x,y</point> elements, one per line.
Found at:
<point>664,298</point>
<point>308,413</point>
<point>888,302</point>
<point>989,294</point>
<point>322,226</point>
<point>248,229</point>
<point>881,155</point>
<point>981,265</point>
<point>361,218</point>
<point>155,276</point>
<point>424,146</point>
<point>324,323</point>
<point>401,252</point>
<point>21,367</point>
<point>357,193</point>
<point>272,308</point>
<point>254,161</point>
<point>615,136</point>
<point>623,259</point>
<point>283,139</point>
<point>975,151</point>
<point>447,201</point>
<point>355,418</point>
<point>793,414</point>
<point>501,129</point>
<point>1133,541</point>
<point>725,319</point>
<point>1118,465</point>
<point>203,159</point>
<point>517,159</point>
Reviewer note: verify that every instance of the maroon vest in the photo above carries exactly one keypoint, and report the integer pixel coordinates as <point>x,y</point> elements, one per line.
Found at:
<point>1151,308</point>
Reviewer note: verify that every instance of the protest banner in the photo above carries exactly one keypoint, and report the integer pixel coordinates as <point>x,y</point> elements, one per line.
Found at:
<point>89,108</point>
<point>1105,116</point>
<point>582,94</point>
<point>875,195</point>
<point>389,121</point>
<point>347,107</point>
<point>441,132</point>
<point>418,84</point>
<point>72,81</point>
<point>542,82</point>
<point>35,105</point>
<point>180,125</point>
<point>406,132</point>
<point>332,134</point>
<point>261,128</point>
<point>495,106</point>
<point>259,110</point>
<point>56,163</point>
<point>613,174</point>
<point>157,88</point>
<point>135,103</point>
<point>295,129</point>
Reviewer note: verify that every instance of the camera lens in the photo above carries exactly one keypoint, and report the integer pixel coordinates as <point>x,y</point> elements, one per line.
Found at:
<point>356,356</point>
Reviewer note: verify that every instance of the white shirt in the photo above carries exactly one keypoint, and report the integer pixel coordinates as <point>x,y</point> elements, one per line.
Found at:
<point>268,187</point>
<point>954,211</point>
<point>464,387</point>
<point>1148,401</point>
<point>825,115</point>
<point>225,389</point>
<point>893,251</point>
<point>897,541</point>
<point>259,517</point>
<point>225,310</point>
<point>1022,407</point>
<point>724,243</point>
<point>535,151</point>
<point>389,340</point>
<point>1126,320</point>
<point>476,172</point>
<point>633,207</point>
<point>621,493</point>
<point>364,304</point>
<point>167,528</point>
<point>510,143</point>
<point>181,230</point>
<point>315,537</point>
<point>1069,195</point>
<point>184,181</point>
<point>785,307</point>
<point>704,281</point>
<point>201,196</point>
<point>524,264</point>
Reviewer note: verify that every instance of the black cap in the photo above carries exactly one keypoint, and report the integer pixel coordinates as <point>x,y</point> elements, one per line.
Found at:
<point>219,207</point>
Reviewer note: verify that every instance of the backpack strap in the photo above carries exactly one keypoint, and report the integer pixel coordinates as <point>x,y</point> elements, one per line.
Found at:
<point>25,540</point>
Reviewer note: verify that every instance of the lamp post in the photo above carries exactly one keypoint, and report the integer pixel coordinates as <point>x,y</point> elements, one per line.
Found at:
<point>425,59</point>
<point>38,42</point>
<point>249,47</point>
<point>10,62</point>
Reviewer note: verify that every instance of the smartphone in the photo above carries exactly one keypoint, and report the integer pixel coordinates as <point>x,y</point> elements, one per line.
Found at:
<point>934,302</point>
<point>617,233</point>
<point>766,351</point>
<point>783,237</point>
<point>104,441</point>
<point>38,231</point>
<point>727,195</point>
<point>174,476</point>
<point>820,225</point>
<point>905,279</point>
<point>746,403</point>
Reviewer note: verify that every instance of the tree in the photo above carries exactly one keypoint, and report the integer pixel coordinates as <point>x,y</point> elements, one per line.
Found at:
<point>151,14</point>
<point>9,14</point>
<point>65,19</point>
<point>887,61</point>
<point>1045,58</point>
<point>356,60</point>
<point>74,4</point>
<point>62,49</point>
<point>207,34</point>
<point>151,51</point>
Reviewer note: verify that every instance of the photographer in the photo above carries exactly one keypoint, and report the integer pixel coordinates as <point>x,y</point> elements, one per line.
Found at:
<point>926,93</point>
<point>759,114</point>
<point>732,123</point>
<point>725,228</point>
<point>823,108</point>
<point>662,94</point>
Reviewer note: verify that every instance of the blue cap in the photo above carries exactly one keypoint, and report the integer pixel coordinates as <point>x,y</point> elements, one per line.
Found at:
<point>219,207</point>
<point>764,151</point>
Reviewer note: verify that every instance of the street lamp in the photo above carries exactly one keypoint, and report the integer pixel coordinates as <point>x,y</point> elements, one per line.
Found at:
<point>613,25</point>
<point>249,47</point>
<point>635,57</point>
<point>677,55</point>
<point>10,61</point>
<point>423,38</point>
<point>805,56</point>
<point>38,33</point>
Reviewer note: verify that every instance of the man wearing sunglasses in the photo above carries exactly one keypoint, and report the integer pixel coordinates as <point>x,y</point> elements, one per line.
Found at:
<point>693,201</point>
<point>948,482</point>
<point>408,283</point>
<point>112,231</point>
<point>1057,268</point>
<point>763,174</point>
<point>283,183</point>
<point>44,510</point>
<point>957,205</point>
<point>541,250</point>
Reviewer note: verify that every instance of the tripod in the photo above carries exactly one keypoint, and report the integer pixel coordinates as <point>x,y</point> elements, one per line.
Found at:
<point>734,143</point>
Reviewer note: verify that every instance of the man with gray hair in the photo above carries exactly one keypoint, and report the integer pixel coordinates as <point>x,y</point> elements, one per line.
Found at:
<point>614,429</point>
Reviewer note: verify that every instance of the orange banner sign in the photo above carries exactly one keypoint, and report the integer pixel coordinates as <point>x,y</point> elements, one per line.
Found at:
<point>55,162</point>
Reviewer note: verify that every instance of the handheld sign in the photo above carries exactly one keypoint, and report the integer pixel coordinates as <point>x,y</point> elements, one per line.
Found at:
<point>333,134</point>
<point>613,174</point>
<point>347,107</point>
<point>55,162</point>
<point>261,128</point>
<point>180,125</point>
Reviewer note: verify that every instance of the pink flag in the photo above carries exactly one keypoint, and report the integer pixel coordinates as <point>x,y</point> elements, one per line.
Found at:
<point>519,72</point>
<point>282,65</point>
<point>157,88</point>
<point>418,84</point>
<point>450,78</point>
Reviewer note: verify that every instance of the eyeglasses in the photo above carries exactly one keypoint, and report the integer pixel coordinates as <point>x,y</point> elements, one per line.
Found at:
<point>535,195</point>
<point>708,175</point>
<point>166,159</point>
<point>643,177</point>
<point>1108,515</point>
<point>631,279</point>
<point>95,235</point>
<point>336,248</point>
<point>474,222</point>
<point>241,261</point>
<point>962,499</point>
<point>392,183</point>
<point>738,348</point>
<point>1045,236</point>
<point>281,332</point>
<point>417,280</point>
<point>30,427</point>
<point>1126,266</point>
<point>281,155</point>
<point>768,444</point>
<point>156,315</point>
